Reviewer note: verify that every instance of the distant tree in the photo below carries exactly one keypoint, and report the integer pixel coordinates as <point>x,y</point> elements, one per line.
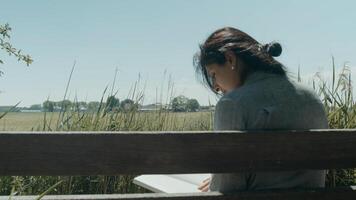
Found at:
<point>93,106</point>
<point>112,103</point>
<point>65,104</point>
<point>8,48</point>
<point>48,106</point>
<point>36,107</point>
<point>192,105</point>
<point>128,105</point>
<point>179,104</point>
<point>82,103</point>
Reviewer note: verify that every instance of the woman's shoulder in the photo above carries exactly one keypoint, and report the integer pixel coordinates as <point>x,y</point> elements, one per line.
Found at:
<point>303,91</point>
<point>232,102</point>
<point>271,90</point>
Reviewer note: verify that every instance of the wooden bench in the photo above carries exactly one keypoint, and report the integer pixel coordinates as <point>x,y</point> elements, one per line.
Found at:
<point>113,153</point>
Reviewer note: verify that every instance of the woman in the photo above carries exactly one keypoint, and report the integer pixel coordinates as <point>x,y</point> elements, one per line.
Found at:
<point>256,94</point>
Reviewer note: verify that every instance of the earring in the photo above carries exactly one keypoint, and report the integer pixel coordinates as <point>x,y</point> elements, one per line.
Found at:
<point>232,67</point>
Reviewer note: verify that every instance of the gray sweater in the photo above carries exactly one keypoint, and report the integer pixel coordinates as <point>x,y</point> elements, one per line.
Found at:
<point>269,101</point>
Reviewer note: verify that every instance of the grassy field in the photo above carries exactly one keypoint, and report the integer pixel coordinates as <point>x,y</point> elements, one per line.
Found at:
<point>18,121</point>
<point>99,121</point>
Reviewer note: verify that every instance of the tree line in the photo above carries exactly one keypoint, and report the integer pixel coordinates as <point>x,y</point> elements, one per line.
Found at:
<point>112,103</point>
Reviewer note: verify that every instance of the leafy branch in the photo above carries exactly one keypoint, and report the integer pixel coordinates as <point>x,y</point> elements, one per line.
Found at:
<point>12,51</point>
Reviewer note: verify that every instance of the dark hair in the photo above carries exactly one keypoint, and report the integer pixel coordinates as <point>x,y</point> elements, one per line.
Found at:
<point>257,57</point>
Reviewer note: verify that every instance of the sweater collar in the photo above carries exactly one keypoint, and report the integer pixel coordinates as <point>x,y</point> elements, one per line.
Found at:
<point>258,76</point>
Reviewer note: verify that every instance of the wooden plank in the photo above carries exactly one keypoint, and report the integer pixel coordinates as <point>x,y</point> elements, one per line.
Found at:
<point>108,153</point>
<point>257,195</point>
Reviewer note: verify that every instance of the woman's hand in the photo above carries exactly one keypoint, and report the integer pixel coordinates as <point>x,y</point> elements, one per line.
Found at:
<point>204,187</point>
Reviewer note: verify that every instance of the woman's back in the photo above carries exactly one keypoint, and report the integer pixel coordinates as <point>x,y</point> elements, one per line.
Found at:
<point>269,101</point>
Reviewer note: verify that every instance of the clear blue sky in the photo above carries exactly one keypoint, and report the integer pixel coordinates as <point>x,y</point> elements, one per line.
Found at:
<point>149,37</point>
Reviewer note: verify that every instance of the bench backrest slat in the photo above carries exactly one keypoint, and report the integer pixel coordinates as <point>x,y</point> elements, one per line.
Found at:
<point>94,153</point>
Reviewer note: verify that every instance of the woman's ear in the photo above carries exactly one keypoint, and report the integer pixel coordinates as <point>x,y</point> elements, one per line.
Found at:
<point>230,58</point>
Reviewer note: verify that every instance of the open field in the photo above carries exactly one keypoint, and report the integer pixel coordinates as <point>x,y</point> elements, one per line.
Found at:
<point>99,121</point>
<point>18,121</point>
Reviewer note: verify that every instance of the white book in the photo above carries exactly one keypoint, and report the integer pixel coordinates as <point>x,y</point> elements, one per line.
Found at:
<point>171,183</point>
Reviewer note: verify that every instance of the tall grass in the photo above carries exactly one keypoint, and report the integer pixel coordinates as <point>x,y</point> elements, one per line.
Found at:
<point>337,97</point>
<point>104,120</point>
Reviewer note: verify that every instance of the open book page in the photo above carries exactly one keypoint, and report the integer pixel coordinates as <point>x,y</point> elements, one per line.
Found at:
<point>171,183</point>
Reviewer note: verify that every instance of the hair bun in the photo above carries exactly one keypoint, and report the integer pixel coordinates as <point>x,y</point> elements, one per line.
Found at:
<point>273,49</point>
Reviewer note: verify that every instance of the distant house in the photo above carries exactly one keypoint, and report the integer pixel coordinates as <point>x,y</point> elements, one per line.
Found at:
<point>154,107</point>
<point>207,108</point>
<point>82,108</point>
<point>56,108</point>
<point>30,111</point>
